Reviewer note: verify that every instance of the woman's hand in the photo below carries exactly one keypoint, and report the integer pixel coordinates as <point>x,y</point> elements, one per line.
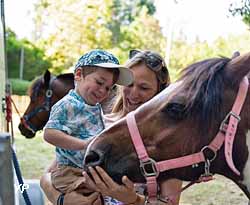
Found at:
<point>104,184</point>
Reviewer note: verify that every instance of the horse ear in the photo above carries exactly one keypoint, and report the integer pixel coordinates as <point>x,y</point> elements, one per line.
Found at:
<point>235,54</point>
<point>46,78</point>
<point>238,67</point>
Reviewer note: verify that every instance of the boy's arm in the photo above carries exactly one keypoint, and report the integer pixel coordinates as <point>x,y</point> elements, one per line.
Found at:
<point>63,140</point>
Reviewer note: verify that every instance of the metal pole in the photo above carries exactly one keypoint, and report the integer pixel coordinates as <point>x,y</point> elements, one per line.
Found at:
<point>170,35</point>
<point>6,177</point>
<point>169,42</point>
<point>21,63</point>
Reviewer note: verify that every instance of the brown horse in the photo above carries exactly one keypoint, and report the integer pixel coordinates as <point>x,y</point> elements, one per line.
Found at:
<point>44,92</point>
<point>181,121</point>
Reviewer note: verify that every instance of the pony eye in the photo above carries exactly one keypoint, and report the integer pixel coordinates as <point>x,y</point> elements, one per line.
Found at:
<point>99,82</point>
<point>175,110</point>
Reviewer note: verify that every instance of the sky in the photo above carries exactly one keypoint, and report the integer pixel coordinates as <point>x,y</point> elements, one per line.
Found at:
<point>207,19</point>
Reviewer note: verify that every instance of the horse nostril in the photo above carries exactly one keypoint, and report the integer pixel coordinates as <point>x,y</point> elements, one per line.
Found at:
<point>93,158</point>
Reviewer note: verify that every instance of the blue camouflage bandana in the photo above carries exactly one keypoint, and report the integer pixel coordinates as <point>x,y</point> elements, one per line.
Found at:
<point>96,57</point>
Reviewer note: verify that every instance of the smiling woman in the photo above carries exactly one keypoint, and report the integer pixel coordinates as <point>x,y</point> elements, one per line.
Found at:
<point>150,77</point>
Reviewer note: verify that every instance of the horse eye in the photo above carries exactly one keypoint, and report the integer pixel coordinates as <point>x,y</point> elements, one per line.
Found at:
<point>176,111</point>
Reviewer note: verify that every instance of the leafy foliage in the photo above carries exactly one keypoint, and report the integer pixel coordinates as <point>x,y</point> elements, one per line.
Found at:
<point>124,13</point>
<point>78,27</point>
<point>66,30</point>
<point>242,9</point>
<point>183,53</point>
<point>35,62</point>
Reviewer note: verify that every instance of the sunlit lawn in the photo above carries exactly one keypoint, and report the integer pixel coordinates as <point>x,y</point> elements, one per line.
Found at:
<point>34,155</point>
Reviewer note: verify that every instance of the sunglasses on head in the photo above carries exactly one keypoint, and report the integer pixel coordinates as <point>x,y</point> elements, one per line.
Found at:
<point>152,61</point>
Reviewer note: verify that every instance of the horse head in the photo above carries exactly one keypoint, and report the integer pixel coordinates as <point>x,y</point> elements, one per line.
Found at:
<point>180,121</point>
<point>44,92</point>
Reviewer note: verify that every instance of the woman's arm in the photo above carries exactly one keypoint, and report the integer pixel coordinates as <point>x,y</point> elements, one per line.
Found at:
<point>63,140</point>
<point>51,193</point>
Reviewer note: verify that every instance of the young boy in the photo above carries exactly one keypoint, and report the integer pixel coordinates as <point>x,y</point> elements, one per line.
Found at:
<point>77,117</point>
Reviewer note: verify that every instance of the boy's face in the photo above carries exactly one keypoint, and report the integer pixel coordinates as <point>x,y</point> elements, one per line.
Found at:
<point>94,87</point>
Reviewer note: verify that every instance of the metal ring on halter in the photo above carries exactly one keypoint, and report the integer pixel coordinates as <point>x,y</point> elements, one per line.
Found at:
<point>215,153</point>
<point>165,200</point>
<point>153,167</point>
<point>49,93</point>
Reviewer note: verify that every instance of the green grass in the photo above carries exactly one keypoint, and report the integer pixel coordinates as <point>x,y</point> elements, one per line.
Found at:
<point>34,155</point>
<point>220,191</point>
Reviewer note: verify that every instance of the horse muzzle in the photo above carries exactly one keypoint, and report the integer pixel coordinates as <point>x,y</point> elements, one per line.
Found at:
<point>26,132</point>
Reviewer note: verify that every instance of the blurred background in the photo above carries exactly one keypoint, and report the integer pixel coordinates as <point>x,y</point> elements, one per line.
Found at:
<point>53,34</point>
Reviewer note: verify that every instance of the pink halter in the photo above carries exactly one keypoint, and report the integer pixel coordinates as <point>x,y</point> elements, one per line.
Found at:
<point>226,133</point>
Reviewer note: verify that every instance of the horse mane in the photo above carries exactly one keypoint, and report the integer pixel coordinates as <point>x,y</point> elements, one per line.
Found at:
<point>201,93</point>
<point>35,86</point>
<point>37,83</point>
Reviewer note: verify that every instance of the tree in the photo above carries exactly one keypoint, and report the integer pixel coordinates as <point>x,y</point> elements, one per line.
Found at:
<point>79,26</point>
<point>243,9</point>
<point>35,62</point>
<point>185,53</point>
<point>124,13</point>
<point>143,33</point>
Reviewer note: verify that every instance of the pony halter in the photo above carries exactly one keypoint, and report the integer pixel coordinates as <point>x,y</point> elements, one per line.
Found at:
<point>225,135</point>
<point>45,107</point>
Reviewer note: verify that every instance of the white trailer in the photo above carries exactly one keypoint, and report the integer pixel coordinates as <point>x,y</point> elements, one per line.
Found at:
<point>10,189</point>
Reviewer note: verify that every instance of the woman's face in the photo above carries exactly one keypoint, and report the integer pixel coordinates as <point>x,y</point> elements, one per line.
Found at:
<point>145,86</point>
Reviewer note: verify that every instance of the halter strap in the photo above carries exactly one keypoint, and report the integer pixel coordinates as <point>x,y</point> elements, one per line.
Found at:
<point>234,118</point>
<point>143,156</point>
<point>226,133</point>
<point>45,107</point>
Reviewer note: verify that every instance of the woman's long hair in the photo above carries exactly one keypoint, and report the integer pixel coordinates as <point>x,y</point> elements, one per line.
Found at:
<point>163,77</point>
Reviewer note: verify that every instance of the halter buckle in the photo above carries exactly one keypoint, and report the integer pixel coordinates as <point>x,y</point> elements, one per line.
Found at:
<point>224,122</point>
<point>149,168</point>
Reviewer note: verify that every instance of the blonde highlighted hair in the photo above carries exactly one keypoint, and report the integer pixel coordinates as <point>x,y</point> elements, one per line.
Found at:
<point>162,75</point>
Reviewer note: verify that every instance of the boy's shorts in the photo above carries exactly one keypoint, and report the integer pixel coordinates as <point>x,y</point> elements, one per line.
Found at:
<point>67,179</point>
